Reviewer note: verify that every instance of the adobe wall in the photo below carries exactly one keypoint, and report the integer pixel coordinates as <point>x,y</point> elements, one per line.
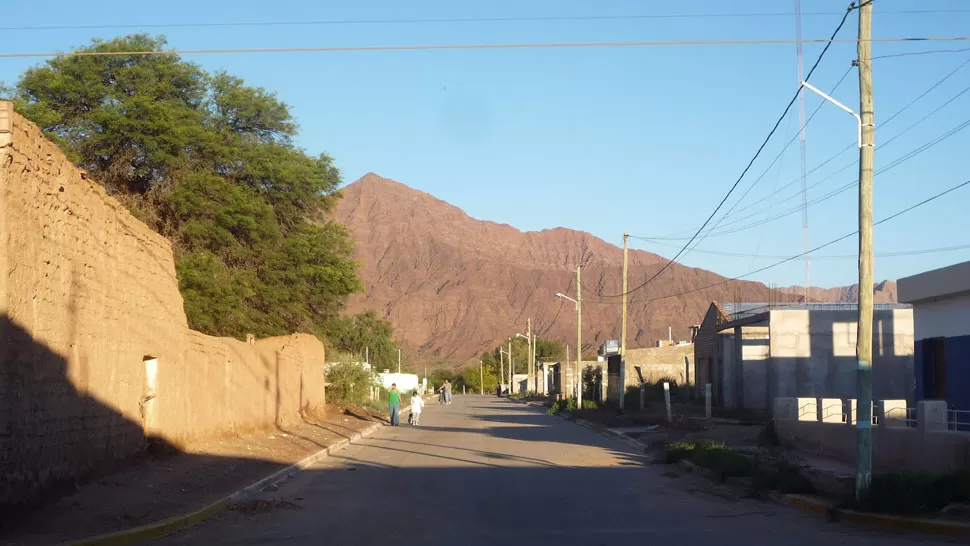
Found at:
<point>87,294</point>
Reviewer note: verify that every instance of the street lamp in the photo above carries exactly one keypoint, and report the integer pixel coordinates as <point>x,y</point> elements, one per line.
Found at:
<point>579,342</point>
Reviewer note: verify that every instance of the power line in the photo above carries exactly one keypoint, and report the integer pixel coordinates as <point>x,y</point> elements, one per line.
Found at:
<point>824,257</point>
<point>795,257</point>
<point>682,235</point>
<point>771,133</point>
<point>896,162</point>
<point>930,52</point>
<point>790,142</point>
<point>436,47</point>
<point>333,22</point>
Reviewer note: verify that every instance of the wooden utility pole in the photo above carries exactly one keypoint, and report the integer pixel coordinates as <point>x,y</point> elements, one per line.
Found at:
<point>579,340</point>
<point>864,337</point>
<point>626,239</point>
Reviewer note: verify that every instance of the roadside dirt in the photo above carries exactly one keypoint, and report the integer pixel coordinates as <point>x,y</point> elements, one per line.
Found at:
<point>160,487</point>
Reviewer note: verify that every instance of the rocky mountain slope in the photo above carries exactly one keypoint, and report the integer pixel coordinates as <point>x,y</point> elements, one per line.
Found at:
<point>453,285</point>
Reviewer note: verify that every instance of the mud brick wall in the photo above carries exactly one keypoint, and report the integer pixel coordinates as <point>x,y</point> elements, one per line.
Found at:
<point>96,357</point>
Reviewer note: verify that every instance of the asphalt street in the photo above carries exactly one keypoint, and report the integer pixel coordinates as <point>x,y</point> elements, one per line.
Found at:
<point>491,471</point>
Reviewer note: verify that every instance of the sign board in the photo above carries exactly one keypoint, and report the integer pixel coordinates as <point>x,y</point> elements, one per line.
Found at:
<point>611,347</point>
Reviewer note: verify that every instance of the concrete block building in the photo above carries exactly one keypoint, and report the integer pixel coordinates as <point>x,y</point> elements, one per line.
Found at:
<point>752,353</point>
<point>941,309</point>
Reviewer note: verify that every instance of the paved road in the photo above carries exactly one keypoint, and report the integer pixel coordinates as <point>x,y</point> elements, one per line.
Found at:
<point>490,471</point>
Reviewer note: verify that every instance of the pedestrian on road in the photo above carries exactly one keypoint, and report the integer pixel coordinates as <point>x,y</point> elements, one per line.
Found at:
<point>447,389</point>
<point>394,404</point>
<point>498,390</point>
<point>417,403</point>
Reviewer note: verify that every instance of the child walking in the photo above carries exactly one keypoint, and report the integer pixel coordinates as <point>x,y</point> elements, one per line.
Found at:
<point>417,403</point>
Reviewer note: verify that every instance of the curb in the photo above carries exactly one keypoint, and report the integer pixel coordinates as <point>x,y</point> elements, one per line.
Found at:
<point>165,527</point>
<point>879,521</point>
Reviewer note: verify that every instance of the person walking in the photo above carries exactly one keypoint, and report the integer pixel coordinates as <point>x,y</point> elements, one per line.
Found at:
<point>394,404</point>
<point>447,389</point>
<point>417,403</point>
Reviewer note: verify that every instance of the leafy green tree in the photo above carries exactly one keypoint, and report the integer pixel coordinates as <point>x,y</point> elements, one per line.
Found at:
<point>210,163</point>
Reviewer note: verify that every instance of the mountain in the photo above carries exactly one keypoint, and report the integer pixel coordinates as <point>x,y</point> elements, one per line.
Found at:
<point>453,286</point>
<point>883,292</point>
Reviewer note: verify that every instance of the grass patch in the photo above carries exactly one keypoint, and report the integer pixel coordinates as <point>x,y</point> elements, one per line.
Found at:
<point>569,404</point>
<point>726,463</point>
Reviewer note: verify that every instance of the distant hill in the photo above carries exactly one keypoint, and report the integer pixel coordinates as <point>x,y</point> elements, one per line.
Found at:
<point>453,285</point>
<point>883,292</point>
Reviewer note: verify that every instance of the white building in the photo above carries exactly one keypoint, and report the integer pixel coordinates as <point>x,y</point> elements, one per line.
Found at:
<point>941,315</point>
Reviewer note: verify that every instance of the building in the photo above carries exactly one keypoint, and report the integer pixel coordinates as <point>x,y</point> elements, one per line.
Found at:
<point>941,310</point>
<point>751,353</point>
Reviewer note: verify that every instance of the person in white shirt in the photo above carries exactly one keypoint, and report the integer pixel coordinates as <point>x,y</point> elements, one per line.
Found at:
<point>417,403</point>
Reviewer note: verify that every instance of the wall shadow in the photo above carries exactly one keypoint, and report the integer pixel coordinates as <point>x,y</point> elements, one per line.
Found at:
<point>53,436</point>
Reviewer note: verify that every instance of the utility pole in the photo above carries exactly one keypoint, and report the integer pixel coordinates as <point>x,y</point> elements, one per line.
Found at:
<point>528,350</point>
<point>511,369</point>
<point>579,339</point>
<point>399,361</point>
<point>501,367</point>
<point>626,240</point>
<point>565,376</point>
<point>535,366</point>
<point>802,145</point>
<point>864,338</point>
<point>481,375</point>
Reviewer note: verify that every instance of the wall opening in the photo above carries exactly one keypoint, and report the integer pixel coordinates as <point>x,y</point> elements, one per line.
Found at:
<point>149,395</point>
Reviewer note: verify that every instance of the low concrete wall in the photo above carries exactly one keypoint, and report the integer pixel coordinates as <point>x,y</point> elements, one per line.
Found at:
<point>894,449</point>
<point>658,363</point>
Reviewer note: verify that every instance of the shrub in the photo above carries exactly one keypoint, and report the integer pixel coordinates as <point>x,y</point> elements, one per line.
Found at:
<point>589,405</point>
<point>349,383</point>
<point>564,404</point>
<point>915,493</point>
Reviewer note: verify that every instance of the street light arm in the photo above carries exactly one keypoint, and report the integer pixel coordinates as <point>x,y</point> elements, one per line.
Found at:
<point>565,297</point>
<point>822,94</point>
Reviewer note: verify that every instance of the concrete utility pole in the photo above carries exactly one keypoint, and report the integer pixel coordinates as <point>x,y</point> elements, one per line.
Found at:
<point>579,340</point>
<point>864,338</point>
<point>528,350</point>
<point>399,361</point>
<point>481,374</point>
<point>565,375</point>
<point>501,367</point>
<point>802,145</point>
<point>626,240</point>
<point>511,369</point>
<point>535,371</point>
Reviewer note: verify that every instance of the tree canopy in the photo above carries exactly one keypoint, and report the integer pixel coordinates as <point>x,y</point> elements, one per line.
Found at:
<point>211,164</point>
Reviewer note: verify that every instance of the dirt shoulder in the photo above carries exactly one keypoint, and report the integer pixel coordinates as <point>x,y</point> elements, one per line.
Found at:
<point>160,487</point>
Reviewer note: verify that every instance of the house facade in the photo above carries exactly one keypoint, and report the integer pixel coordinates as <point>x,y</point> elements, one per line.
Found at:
<point>941,307</point>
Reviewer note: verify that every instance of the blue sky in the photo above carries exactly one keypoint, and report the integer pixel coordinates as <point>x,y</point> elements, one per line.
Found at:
<point>606,140</point>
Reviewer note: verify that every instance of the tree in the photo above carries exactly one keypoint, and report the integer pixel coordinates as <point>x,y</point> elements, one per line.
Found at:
<point>210,163</point>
